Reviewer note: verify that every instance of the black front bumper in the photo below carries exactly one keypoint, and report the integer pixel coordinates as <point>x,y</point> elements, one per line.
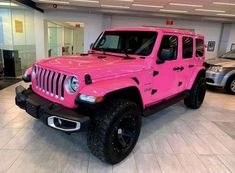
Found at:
<point>51,114</point>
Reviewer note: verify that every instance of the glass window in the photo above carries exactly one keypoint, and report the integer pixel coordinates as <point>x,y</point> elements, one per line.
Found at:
<point>169,48</point>
<point>187,47</point>
<point>17,35</point>
<point>199,47</point>
<point>131,42</point>
<point>110,42</point>
<point>229,55</point>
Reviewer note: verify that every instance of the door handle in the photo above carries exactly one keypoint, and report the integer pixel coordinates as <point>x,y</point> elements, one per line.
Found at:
<point>176,68</point>
<point>190,66</point>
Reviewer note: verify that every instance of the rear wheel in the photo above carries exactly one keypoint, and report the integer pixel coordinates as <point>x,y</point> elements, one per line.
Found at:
<point>197,94</point>
<point>230,86</point>
<point>115,130</point>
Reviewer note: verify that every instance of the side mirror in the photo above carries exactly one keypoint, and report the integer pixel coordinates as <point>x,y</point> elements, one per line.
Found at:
<point>91,45</point>
<point>166,54</point>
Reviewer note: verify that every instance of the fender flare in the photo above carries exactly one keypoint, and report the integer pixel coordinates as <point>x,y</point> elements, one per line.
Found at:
<point>199,71</point>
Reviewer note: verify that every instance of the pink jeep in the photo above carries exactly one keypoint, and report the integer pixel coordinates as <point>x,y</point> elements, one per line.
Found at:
<point>128,73</point>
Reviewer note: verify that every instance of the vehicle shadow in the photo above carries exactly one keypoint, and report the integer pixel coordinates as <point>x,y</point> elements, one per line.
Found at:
<point>50,140</point>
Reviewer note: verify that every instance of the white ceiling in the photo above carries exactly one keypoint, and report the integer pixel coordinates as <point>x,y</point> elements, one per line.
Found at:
<point>221,9</point>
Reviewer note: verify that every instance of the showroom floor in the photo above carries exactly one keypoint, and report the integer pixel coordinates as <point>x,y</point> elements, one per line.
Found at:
<point>174,140</point>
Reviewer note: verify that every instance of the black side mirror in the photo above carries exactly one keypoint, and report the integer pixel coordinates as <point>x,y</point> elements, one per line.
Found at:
<point>91,45</point>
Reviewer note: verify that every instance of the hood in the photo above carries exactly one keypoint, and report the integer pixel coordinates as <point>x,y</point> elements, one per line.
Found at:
<point>222,62</point>
<point>93,65</point>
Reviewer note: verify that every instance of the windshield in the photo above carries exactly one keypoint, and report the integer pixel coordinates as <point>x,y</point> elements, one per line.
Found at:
<point>229,55</point>
<point>131,42</point>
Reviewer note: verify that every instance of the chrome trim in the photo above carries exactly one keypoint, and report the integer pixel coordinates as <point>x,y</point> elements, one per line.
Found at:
<point>43,75</point>
<point>50,122</point>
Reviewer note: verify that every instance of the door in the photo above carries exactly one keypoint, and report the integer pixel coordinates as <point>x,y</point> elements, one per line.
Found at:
<point>165,80</point>
<point>186,62</point>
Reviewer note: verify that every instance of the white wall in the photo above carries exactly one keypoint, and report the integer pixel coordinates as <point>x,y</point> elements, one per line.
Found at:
<point>231,37</point>
<point>95,23</point>
<point>211,30</point>
<point>39,35</point>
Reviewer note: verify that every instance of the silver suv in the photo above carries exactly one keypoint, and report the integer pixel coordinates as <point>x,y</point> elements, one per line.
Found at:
<point>221,72</point>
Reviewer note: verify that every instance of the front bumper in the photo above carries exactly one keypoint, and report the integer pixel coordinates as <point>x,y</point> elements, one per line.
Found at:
<point>214,79</point>
<point>51,114</point>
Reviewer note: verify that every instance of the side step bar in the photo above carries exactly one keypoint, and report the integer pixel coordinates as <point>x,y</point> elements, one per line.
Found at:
<point>165,103</point>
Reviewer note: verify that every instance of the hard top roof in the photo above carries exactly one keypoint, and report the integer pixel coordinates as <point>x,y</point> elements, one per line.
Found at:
<point>157,29</point>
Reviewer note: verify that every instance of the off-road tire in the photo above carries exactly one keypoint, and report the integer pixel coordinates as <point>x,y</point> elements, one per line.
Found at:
<point>228,86</point>
<point>197,94</point>
<point>105,127</point>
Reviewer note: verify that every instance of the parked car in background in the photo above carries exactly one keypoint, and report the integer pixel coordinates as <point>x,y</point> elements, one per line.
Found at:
<point>221,72</point>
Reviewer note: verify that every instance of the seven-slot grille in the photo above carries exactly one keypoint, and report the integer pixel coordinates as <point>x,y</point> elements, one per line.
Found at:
<point>50,82</point>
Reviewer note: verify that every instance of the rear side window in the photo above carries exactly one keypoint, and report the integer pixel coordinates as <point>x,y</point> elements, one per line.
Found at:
<point>187,47</point>
<point>169,48</point>
<point>199,47</point>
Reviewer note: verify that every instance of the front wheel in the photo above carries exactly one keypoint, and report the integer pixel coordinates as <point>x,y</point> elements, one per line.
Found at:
<point>197,94</point>
<point>230,86</point>
<point>115,130</point>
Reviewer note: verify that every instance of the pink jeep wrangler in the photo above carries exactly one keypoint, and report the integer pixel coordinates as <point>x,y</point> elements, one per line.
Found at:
<point>128,73</point>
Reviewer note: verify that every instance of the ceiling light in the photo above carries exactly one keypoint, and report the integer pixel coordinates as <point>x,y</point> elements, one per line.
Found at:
<point>223,3</point>
<point>89,1</point>
<point>54,2</point>
<point>228,15</point>
<point>148,6</point>
<point>114,6</point>
<point>186,5</point>
<point>175,11</point>
<point>8,4</point>
<point>208,10</point>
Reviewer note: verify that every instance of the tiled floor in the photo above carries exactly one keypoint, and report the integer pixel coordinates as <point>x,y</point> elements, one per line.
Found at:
<point>174,140</point>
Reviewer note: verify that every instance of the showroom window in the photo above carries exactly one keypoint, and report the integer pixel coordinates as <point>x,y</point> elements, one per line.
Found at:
<point>169,47</point>
<point>187,47</point>
<point>199,47</point>
<point>17,38</point>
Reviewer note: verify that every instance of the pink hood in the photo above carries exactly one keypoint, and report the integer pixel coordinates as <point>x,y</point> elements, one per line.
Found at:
<point>96,67</point>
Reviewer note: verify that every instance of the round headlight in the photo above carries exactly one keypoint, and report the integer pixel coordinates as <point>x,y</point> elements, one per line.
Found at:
<point>72,84</point>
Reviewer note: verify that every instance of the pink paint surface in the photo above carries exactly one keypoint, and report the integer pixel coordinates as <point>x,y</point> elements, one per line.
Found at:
<point>113,72</point>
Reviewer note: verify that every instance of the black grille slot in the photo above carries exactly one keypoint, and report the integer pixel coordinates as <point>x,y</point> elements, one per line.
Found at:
<point>57,84</point>
<point>52,83</point>
<point>48,77</point>
<point>62,86</point>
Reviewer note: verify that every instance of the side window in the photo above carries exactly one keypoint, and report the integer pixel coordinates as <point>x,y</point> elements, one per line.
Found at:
<point>169,48</point>
<point>187,47</point>
<point>199,47</point>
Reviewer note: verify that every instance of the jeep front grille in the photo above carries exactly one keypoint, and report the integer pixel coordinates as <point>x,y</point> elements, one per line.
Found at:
<point>50,82</point>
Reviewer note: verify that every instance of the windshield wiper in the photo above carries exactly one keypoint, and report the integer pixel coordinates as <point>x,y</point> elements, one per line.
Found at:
<point>127,56</point>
